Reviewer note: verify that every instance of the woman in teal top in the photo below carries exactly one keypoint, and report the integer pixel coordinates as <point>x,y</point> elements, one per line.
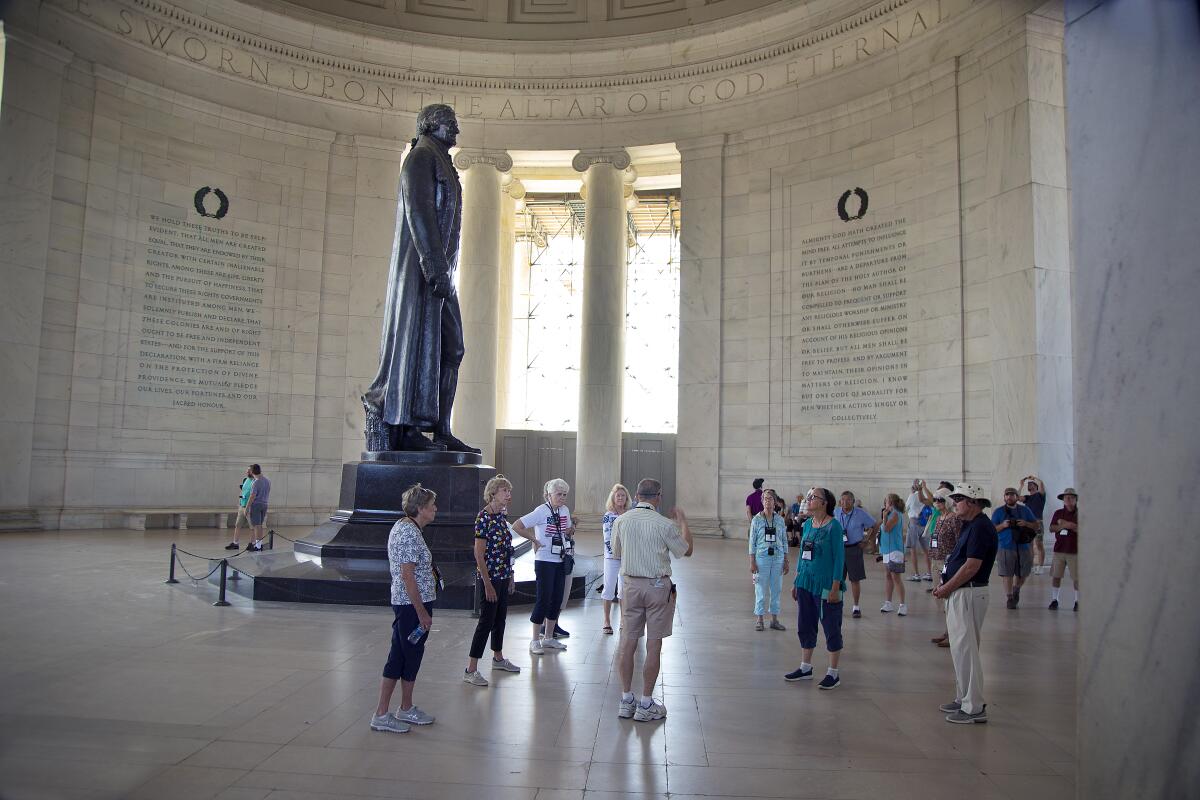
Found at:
<point>768,560</point>
<point>817,589</point>
<point>891,550</point>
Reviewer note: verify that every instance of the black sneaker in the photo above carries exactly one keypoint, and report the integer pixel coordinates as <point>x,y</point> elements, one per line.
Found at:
<point>1010,603</point>
<point>961,717</point>
<point>799,674</point>
<point>1054,605</point>
<point>233,546</point>
<point>1076,607</point>
<point>561,633</point>
<point>829,682</point>
<point>1016,596</point>
<point>252,548</point>
<point>857,613</point>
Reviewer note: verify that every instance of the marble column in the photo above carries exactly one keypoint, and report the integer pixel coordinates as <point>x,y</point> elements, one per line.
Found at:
<point>511,199</point>
<point>33,79</point>
<point>700,268</point>
<point>1134,166</point>
<point>602,361</point>
<point>1028,259</point>
<point>474,418</point>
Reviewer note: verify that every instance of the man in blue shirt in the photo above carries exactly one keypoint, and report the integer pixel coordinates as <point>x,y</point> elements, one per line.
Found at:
<point>857,525</point>
<point>965,589</point>
<point>1016,527</point>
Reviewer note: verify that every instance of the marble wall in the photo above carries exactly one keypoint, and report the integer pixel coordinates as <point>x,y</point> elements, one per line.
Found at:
<point>947,115</point>
<point>1133,157</point>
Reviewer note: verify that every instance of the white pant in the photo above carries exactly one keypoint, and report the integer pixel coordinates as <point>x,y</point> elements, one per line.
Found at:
<point>965,609</point>
<point>612,579</point>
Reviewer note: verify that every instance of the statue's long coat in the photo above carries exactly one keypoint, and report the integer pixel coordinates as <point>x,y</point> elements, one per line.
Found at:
<point>421,333</point>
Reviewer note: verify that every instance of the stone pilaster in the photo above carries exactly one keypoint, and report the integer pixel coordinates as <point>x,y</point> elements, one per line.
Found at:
<point>700,266</point>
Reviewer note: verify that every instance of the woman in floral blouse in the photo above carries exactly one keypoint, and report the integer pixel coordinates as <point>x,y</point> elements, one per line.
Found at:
<point>493,561</point>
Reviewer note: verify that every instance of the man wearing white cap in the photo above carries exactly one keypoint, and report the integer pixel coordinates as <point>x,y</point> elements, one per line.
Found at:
<point>965,588</point>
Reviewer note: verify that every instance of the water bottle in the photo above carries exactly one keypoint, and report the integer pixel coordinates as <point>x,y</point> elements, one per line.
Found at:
<point>417,633</point>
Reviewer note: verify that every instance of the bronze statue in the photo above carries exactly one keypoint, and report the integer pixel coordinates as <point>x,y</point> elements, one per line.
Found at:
<point>422,345</point>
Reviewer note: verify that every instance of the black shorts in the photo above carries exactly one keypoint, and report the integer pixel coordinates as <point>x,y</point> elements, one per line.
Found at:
<point>404,659</point>
<point>855,570</point>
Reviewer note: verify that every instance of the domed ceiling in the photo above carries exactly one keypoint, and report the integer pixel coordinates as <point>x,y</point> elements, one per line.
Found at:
<point>535,20</point>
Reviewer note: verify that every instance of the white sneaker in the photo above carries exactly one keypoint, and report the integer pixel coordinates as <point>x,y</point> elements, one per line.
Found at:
<point>553,644</point>
<point>656,711</point>
<point>625,708</point>
<point>474,678</point>
<point>886,607</point>
<point>915,577</point>
<point>903,610</point>
<point>536,648</point>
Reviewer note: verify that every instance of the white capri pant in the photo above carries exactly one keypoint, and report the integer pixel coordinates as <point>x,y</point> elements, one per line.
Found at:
<point>612,579</point>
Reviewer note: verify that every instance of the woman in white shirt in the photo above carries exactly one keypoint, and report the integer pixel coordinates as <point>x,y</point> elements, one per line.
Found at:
<point>616,505</point>
<point>552,540</point>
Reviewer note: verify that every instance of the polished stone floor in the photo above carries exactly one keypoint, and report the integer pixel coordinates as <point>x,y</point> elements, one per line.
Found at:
<point>114,685</point>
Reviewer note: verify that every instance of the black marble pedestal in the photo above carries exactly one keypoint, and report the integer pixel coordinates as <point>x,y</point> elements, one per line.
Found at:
<point>370,505</point>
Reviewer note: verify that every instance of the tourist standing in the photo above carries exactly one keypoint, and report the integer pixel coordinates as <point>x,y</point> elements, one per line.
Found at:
<point>817,588</point>
<point>552,543</point>
<point>768,560</point>
<point>414,590</point>
<point>616,505</point>
<point>857,525</point>
<point>494,570</point>
<point>917,510</point>
<point>891,551</point>
<point>1016,526</point>
<point>257,502</point>
<point>754,504</point>
<point>942,542</point>
<point>644,540</point>
<point>242,511</point>
<point>1065,527</point>
<point>965,589</point>
<point>1034,498</point>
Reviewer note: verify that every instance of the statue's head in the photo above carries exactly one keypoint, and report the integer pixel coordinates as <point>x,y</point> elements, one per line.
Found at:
<point>438,120</point>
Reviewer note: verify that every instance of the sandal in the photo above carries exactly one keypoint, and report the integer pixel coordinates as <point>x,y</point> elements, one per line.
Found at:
<point>758,626</point>
<point>607,630</point>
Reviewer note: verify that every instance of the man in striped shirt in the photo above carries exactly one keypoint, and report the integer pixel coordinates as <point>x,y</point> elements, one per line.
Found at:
<point>645,540</point>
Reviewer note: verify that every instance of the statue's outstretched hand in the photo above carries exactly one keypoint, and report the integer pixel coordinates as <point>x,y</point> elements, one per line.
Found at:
<point>441,285</point>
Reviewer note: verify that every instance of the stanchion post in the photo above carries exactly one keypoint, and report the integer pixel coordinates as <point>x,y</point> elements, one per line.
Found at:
<point>477,598</point>
<point>271,539</point>
<point>171,569</point>
<point>221,601</point>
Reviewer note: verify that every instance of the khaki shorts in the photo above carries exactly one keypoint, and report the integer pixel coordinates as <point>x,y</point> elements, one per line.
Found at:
<point>1063,562</point>
<point>241,516</point>
<point>646,606</point>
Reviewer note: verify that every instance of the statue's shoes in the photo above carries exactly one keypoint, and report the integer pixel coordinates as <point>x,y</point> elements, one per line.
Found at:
<point>453,443</point>
<point>413,440</point>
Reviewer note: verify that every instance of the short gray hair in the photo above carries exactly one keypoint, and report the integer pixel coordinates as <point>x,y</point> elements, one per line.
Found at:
<point>415,498</point>
<point>555,485</point>
<point>648,487</point>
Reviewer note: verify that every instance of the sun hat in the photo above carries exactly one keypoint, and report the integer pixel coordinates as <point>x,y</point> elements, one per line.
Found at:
<point>1070,490</point>
<point>942,494</point>
<point>971,492</point>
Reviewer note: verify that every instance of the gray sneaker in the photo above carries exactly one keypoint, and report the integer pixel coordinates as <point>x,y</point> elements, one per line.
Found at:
<point>414,716</point>
<point>776,625</point>
<point>951,707</point>
<point>474,678</point>
<point>625,709</point>
<point>963,718</point>
<point>388,724</point>
<point>656,711</point>
<point>505,665</point>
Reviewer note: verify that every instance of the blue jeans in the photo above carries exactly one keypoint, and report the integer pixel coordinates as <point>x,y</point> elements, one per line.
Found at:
<point>770,584</point>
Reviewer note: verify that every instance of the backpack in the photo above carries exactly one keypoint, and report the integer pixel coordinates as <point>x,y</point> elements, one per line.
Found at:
<point>1023,535</point>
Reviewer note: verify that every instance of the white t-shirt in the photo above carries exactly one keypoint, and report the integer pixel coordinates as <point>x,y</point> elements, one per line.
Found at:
<point>537,520</point>
<point>913,505</point>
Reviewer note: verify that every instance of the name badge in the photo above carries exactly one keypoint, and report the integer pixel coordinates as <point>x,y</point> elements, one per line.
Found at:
<point>770,537</point>
<point>845,538</point>
<point>806,551</point>
<point>933,542</point>
<point>556,549</point>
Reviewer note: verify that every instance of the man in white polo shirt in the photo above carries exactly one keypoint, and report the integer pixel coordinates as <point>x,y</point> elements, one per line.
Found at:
<point>645,540</point>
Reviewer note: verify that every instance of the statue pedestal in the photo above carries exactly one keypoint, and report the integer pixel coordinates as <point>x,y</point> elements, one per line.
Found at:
<point>370,505</point>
